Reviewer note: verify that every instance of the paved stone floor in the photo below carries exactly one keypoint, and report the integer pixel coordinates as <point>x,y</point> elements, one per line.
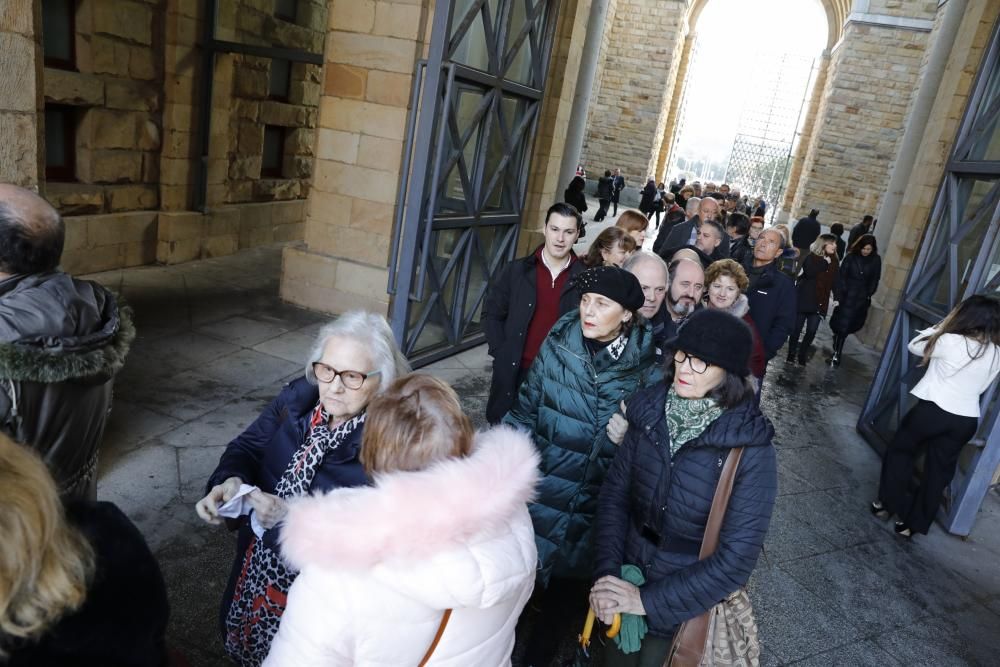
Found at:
<point>834,586</point>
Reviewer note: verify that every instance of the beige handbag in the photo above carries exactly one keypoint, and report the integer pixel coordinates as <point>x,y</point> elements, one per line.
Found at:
<point>725,635</point>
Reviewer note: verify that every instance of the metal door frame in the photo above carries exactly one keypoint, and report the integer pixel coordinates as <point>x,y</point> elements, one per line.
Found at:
<point>431,130</point>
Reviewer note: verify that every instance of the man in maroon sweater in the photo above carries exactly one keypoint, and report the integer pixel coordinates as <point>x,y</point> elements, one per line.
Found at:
<point>524,300</point>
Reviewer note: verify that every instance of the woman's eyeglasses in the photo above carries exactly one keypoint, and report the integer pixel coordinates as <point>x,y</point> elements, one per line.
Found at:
<point>697,365</point>
<point>351,379</point>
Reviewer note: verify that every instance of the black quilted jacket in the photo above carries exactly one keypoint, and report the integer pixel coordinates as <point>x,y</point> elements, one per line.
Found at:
<point>652,511</point>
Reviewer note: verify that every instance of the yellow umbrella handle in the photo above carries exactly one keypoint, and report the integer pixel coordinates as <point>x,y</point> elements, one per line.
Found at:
<point>588,628</point>
<point>616,626</point>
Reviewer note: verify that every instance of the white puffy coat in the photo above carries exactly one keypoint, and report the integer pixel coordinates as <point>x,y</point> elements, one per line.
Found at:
<point>380,564</point>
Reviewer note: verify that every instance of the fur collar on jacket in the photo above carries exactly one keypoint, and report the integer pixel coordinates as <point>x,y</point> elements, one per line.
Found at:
<point>740,307</point>
<point>415,515</point>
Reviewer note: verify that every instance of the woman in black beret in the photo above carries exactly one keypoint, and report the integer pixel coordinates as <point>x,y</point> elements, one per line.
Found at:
<point>656,497</point>
<point>593,359</point>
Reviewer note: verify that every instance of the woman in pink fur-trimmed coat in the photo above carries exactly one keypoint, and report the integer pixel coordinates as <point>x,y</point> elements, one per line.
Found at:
<point>445,525</point>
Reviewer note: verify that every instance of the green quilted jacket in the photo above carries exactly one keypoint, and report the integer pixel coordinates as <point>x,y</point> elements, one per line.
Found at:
<point>565,403</point>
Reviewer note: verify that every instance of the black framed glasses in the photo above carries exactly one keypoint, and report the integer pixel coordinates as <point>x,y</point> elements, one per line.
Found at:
<point>351,379</point>
<point>699,366</point>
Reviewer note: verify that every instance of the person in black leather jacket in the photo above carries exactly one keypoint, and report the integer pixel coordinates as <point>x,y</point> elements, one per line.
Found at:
<point>62,341</point>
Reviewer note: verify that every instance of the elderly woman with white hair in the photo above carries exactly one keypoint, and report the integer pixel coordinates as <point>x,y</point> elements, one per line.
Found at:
<point>307,440</point>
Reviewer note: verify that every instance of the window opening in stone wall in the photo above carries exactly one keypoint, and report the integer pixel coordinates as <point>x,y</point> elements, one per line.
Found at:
<point>279,80</point>
<point>274,150</point>
<point>286,10</point>
<point>60,143</point>
<point>59,33</point>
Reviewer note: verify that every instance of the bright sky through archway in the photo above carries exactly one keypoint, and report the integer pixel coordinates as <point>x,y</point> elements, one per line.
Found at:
<point>731,35</point>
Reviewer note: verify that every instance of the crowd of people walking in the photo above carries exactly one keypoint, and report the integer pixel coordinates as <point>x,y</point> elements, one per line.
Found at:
<point>627,470</point>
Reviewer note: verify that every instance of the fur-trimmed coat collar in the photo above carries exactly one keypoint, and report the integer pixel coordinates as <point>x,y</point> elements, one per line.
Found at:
<point>412,516</point>
<point>56,328</point>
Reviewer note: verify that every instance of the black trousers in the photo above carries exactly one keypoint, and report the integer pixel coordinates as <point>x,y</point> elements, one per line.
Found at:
<point>614,200</point>
<point>554,613</point>
<point>943,435</point>
<point>602,212</point>
<point>811,322</point>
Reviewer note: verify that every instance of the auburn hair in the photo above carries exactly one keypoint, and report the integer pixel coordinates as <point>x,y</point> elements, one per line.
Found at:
<point>632,221</point>
<point>45,563</point>
<point>417,421</point>
<point>608,240</point>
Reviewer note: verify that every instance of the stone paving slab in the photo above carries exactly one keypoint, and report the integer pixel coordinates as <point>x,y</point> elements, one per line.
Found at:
<point>833,587</point>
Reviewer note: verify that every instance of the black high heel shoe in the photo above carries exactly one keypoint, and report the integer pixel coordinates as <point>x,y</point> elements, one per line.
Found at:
<point>903,530</point>
<point>879,511</point>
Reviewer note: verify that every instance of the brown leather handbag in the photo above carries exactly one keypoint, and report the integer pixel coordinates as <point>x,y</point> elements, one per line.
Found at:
<point>725,635</point>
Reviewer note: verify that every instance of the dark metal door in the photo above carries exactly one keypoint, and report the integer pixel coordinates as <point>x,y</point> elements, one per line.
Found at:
<point>474,110</point>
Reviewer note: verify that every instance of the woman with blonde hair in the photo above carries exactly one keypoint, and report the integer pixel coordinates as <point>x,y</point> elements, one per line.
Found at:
<point>611,248</point>
<point>77,586</point>
<point>431,563</point>
<point>815,284</point>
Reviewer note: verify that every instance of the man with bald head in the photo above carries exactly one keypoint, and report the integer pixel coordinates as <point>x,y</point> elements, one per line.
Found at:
<point>651,271</point>
<point>686,233</point>
<point>62,341</point>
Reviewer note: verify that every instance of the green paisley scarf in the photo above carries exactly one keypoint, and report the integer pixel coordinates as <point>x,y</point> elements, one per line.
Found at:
<point>687,418</point>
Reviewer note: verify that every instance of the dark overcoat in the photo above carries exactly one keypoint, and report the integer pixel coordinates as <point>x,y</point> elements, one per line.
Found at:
<point>858,281</point>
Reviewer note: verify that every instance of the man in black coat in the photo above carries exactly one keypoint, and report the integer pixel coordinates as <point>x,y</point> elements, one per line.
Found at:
<point>524,300</point>
<point>605,191</point>
<point>771,293</point>
<point>686,233</point>
<point>806,231</point>
<point>617,185</point>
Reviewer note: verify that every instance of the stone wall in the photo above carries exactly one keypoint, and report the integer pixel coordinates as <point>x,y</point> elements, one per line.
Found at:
<point>136,90</point>
<point>935,148</point>
<point>20,93</point>
<point>862,116</point>
<point>371,48</point>
<point>629,110</point>
<point>116,94</point>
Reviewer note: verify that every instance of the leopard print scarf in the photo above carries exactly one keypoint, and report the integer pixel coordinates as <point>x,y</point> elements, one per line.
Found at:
<point>262,588</point>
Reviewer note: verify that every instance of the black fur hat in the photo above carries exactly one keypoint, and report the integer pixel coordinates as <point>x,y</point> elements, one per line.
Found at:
<point>717,337</point>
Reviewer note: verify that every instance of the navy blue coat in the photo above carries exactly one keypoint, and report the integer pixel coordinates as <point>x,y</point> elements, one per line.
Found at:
<point>773,306</point>
<point>260,455</point>
<point>672,500</point>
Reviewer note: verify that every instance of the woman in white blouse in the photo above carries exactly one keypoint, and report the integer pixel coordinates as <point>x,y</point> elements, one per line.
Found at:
<point>962,357</point>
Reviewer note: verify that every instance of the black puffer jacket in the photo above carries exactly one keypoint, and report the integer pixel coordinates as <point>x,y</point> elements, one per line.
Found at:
<point>62,341</point>
<point>858,281</point>
<point>672,500</point>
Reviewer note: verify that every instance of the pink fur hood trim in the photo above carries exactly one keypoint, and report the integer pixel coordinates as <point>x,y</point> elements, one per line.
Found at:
<point>415,515</point>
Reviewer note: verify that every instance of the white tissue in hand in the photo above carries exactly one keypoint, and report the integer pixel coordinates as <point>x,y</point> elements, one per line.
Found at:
<point>239,505</point>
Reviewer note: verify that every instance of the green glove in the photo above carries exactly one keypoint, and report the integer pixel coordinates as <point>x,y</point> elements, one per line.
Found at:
<point>629,639</point>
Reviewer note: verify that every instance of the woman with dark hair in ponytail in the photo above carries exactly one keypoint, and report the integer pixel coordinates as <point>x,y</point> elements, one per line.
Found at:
<point>962,356</point>
<point>860,273</point>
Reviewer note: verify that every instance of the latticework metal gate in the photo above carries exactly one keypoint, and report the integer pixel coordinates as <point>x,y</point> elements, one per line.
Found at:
<point>761,155</point>
<point>468,149</point>
<point>958,257</point>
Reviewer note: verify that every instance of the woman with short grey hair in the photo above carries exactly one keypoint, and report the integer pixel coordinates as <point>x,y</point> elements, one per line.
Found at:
<point>307,440</point>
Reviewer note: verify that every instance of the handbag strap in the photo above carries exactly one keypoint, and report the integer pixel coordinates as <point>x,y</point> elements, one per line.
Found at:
<point>437,637</point>
<point>720,502</point>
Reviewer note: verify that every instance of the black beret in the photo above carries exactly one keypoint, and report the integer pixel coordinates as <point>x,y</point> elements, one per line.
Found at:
<point>617,284</point>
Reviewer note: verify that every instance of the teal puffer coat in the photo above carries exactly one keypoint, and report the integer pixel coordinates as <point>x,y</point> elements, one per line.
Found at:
<point>565,403</point>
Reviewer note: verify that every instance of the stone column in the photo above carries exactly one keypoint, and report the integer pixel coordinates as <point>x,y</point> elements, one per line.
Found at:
<point>673,114</point>
<point>806,136</point>
<point>629,113</point>
<point>371,49</point>
<point>584,87</point>
<point>864,109</point>
<point>545,182</point>
<point>20,94</point>
<point>942,41</point>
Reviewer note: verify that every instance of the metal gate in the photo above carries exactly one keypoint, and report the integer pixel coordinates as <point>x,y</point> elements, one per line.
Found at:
<point>958,257</point>
<point>761,155</point>
<point>474,109</point>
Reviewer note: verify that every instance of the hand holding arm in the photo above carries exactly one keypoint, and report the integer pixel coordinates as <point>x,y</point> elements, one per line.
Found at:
<point>617,426</point>
<point>270,509</point>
